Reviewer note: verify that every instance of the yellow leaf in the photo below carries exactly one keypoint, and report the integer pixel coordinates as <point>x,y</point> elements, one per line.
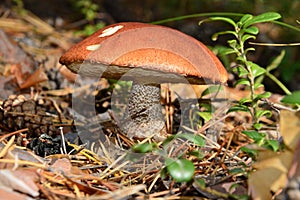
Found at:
<point>272,168</point>
<point>271,175</point>
<point>290,128</point>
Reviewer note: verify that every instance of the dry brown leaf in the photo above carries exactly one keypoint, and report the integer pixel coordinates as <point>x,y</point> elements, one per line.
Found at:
<point>8,193</point>
<point>230,188</point>
<point>23,180</point>
<point>260,181</point>
<point>291,136</point>
<point>11,53</point>
<point>20,154</point>
<point>63,165</point>
<point>271,174</point>
<point>272,168</point>
<point>17,73</point>
<point>290,128</point>
<point>85,188</point>
<point>295,166</point>
<point>36,77</point>
<point>122,193</point>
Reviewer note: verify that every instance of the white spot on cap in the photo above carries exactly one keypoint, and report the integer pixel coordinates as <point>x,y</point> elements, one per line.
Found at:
<point>93,47</point>
<point>110,31</point>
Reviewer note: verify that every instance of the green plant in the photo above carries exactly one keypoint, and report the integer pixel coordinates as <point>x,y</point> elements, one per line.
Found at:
<point>89,10</point>
<point>87,7</point>
<point>293,98</point>
<point>18,6</point>
<point>179,168</point>
<point>248,71</point>
<point>90,29</point>
<point>273,65</point>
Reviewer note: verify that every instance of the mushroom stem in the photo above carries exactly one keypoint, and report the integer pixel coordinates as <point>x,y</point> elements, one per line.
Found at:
<point>143,115</point>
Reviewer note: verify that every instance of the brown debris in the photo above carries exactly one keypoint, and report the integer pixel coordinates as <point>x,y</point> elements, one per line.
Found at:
<point>105,168</point>
<point>11,53</point>
<point>19,112</point>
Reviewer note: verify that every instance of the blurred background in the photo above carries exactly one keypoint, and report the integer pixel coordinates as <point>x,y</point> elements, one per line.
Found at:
<point>90,15</point>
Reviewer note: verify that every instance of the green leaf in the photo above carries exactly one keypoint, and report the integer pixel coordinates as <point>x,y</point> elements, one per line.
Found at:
<point>181,170</point>
<point>273,65</point>
<point>252,30</point>
<point>265,17</point>
<point>254,135</point>
<point>216,35</point>
<point>229,51</point>
<point>232,44</point>
<point>196,153</point>
<point>293,98</point>
<point>276,62</point>
<point>242,59</point>
<point>225,19</point>
<point>143,147</point>
<point>257,126</point>
<point>272,144</point>
<point>260,113</point>
<point>239,197</point>
<point>244,100</point>
<point>247,37</point>
<point>206,106</point>
<point>164,172</point>
<point>258,84</point>
<point>200,182</point>
<point>262,96</point>
<point>242,81</point>
<point>205,115</point>
<point>256,69</point>
<point>245,18</point>
<point>249,49</point>
<point>251,152</point>
<point>196,139</point>
<point>236,108</point>
<point>211,90</point>
<point>168,140</point>
<point>236,171</point>
<point>240,70</point>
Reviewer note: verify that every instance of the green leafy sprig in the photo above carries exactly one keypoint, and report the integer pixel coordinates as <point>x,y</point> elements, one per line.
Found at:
<point>248,71</point>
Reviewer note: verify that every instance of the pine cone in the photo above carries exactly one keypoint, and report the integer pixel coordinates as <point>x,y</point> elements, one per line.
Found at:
<point>18,112</point>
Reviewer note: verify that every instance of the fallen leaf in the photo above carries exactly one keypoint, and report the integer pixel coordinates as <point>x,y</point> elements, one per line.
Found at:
<point>270,174</point>
<point>63,165</point>
<point>11,53</point>
<point>8,193</point>
<point>290,128</point>
<point>36,77</point>
<point>290,124</point>
<point>231,188</point>
<point>259,183</point>
<point>272,168</point>
<point>22,180</point>
<point>17,73</point>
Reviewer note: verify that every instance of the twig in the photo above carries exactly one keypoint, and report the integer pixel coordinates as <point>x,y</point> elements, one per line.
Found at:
<point>13,133</point>
<point>7,146</point>
<point>24,162</point>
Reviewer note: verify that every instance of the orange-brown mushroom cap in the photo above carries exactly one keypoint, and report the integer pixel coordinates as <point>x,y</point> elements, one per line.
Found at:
<point>154,52</point>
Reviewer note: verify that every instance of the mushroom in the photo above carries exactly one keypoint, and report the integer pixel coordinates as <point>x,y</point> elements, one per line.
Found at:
<point>148,55</point>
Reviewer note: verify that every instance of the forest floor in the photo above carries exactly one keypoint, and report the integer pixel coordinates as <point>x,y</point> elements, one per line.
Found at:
<point>60,137</point>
